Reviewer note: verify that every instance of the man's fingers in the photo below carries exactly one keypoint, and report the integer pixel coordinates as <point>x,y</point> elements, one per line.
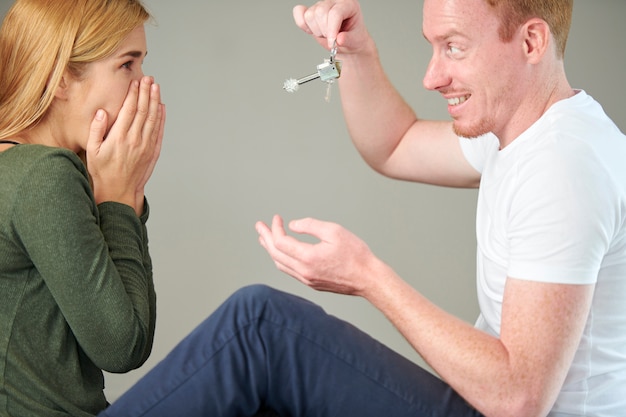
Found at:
<point>298,17</point>
<point>325,19</point>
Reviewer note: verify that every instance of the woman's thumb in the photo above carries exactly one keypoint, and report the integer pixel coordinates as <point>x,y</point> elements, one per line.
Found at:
<point>98,129</point>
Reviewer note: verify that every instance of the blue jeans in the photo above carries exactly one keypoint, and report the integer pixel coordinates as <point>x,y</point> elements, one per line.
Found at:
<point>267,349</point>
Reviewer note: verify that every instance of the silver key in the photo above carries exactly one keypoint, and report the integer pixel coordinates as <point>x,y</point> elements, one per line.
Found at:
<point>328,71</point>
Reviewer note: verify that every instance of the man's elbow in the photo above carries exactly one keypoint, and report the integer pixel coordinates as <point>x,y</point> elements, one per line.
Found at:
<point>524,404</point>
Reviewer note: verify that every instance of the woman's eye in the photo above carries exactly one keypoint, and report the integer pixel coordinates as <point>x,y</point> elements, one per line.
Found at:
<point>127,65</point>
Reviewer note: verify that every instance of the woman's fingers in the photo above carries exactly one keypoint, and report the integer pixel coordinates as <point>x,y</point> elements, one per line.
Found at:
<point>127,113</point>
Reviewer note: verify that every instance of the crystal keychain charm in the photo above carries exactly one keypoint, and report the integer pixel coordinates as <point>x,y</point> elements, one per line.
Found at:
<point>328,71</point>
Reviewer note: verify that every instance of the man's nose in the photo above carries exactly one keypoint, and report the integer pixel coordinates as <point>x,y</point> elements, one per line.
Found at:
<point>436,75</point>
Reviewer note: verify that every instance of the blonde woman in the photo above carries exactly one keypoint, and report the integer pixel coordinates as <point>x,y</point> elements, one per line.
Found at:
<point>80,133</point>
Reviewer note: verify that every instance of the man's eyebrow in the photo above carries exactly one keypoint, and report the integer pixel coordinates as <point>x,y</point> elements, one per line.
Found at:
<point>450,34</point>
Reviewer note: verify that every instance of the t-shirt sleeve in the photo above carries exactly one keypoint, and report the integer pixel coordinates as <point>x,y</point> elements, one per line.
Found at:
<point>562,217</point>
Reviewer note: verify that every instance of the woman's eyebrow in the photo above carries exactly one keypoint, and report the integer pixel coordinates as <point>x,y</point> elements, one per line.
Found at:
<point>134,54</point>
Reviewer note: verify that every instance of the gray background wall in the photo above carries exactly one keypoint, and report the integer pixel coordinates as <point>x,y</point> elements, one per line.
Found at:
<point>239,149</point>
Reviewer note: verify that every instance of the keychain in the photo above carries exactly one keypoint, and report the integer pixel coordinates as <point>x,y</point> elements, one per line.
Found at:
<point>328,71</point>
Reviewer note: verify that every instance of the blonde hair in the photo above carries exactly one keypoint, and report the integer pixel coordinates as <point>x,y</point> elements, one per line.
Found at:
<point>556,13</point>
<point>41,39</point>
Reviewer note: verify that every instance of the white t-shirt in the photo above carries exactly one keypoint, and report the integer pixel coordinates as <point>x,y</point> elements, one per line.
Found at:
<point>552,208</point>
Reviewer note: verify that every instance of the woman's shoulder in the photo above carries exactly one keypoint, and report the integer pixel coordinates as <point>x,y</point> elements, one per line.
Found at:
<point>42,168</point>
<point>41,158</point>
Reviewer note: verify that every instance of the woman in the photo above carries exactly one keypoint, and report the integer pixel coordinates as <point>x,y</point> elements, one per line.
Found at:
<point>80,132</point>
<point>81,129</point>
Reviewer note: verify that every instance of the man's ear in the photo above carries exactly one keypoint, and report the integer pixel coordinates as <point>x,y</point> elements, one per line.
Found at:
<point>537,39</point>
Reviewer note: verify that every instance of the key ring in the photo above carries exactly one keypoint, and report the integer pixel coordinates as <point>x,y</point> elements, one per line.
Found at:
<point>333,51</point>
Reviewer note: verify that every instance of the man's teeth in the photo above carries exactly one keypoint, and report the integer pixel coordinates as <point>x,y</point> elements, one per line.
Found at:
<point>457,100</point>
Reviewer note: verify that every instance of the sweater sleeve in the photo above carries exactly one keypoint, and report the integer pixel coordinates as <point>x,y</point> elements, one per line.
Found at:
<point>93,260</point>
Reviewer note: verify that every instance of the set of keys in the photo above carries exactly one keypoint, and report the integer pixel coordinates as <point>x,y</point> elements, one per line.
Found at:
<point>328,71</point>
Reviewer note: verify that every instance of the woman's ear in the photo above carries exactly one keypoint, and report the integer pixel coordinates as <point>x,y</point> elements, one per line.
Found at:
<point>537,39</point>
<point>63,88</point>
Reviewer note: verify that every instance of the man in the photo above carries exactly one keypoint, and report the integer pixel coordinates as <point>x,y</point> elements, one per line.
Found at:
<point>551,338</point>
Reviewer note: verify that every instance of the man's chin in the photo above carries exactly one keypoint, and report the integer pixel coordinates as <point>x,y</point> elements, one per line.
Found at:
<point>469,132</point>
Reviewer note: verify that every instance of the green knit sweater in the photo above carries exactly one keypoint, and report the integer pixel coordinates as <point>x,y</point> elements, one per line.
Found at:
<point>76,290</point>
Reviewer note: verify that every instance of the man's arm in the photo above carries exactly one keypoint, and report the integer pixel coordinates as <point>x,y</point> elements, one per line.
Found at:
<point>383,127</point>
<point>519,374</point>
